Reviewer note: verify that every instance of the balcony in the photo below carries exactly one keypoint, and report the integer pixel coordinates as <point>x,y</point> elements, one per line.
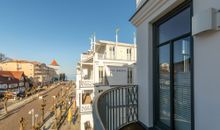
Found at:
<point>86,108</point>
<point>86,83</point>
<point>117,109</point>
<point>85,57</point>
<point>100,56</point>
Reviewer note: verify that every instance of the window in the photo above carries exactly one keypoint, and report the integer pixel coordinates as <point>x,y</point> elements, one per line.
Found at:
<point>101,75</point>
<point>130,78</point>
<point>112,52</point>
<point>87,97</point>
<point>19,66</point>
<point>173,71</point>
<point>129,54</point>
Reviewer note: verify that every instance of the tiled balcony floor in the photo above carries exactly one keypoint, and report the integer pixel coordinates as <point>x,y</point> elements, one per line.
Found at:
<point>133,126</point>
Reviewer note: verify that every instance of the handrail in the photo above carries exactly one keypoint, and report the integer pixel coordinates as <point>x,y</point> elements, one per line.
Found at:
<point>116,107</point>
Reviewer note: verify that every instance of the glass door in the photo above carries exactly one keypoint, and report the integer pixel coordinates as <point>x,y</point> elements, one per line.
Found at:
<point>173,71</point>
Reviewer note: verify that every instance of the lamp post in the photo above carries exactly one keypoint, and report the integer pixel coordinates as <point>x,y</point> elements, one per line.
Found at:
<point>36,116</point>
<point>31,112</point>
<point>43,105</point>
<point>21,122</point>
<point>55,111</point>
<point>5,104</point>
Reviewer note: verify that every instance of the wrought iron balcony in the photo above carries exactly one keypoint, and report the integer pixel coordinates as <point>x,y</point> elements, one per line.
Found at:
<point>117,109</point>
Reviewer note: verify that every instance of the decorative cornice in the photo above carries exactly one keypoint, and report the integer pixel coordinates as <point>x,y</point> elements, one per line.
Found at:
<point>146,10</point>
<point>150,7</point>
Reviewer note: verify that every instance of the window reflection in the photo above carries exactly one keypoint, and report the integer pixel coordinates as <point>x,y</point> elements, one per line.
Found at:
<point>175,27</point>
<point>165,84</point>
<point>182,85</point>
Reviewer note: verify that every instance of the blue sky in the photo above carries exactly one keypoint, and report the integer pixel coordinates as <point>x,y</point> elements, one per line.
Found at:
<point>42,30</point>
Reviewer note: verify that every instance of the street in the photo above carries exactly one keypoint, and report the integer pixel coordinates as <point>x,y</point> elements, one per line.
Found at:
<point>12,121</point>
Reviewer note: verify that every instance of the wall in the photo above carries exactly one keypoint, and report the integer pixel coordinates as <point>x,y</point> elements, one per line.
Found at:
<point>84,118</point>
<point>143,76</point>
<point>26,67</point>
<point>206,67</point>
<point>206,77</point>
<point>152,11</point>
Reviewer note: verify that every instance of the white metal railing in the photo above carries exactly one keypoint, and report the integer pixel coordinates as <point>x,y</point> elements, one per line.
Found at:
<point>86,108</point>
<point>86,56</point>
<point>86,83</point>
<point>113,57</point>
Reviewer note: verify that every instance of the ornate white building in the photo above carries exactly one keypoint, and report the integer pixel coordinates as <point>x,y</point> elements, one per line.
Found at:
<point>107,63</point>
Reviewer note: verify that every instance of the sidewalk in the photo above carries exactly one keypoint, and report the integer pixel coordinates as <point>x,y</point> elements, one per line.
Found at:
<point>74,125</point>
<point>12,108</point>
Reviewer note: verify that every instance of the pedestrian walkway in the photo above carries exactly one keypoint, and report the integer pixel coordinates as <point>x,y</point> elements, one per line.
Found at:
<point>13,107</point>
<point>73,125</point>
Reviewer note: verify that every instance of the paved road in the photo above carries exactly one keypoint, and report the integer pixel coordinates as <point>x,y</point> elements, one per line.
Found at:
<point>12,121</point>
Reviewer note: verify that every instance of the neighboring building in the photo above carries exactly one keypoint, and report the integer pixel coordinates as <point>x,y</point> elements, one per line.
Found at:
<point>107,63</point>
<point>56,67</point>
<point>13,82</point>
<point>40,73</point>
<point>177,68</point>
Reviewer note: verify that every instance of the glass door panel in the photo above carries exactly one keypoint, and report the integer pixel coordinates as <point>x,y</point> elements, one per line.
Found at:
<point>182,84</point>
<point>164,84</point>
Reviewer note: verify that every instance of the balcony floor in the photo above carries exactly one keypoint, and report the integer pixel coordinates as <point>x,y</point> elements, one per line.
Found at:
<point>133,126</point>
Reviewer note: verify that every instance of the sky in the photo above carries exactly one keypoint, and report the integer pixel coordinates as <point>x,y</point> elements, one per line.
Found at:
<point>43,30</point>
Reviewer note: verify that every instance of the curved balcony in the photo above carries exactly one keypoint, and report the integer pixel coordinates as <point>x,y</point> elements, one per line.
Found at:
<point>117,109</point>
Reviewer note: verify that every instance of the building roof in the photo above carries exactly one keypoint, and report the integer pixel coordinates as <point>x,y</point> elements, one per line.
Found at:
<point>22,61</point>
<point>54,63</point>
<point>114,43</point>
<point>8,77</point>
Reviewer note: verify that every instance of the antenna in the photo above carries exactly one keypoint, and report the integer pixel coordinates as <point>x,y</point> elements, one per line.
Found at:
<point>116,36</point>
<point>91,43</point>
<point>134,38</point>
<point>94,37</point>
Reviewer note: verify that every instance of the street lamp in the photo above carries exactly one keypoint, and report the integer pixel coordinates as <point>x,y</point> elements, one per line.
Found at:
<point>42,108</point>
<point>21,122</point>
<point>5,104</point>
<point>36,116</point>
<point>31,112</point>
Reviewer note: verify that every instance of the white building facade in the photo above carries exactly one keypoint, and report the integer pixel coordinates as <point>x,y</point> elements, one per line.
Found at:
<point>106,64</point>
<point>177,67</point>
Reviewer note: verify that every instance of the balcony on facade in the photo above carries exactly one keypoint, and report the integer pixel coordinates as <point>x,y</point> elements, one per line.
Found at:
<point>86,101</point>
<point>86,56</point>
<point>104,56</point>
<point>108,50</point>
<point>117,109</point>
<point>86,83</point>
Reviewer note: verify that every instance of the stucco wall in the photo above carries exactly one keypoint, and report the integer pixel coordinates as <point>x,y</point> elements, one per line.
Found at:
<point>143,75</point>
<point>84,119</point>
<point>206,77</point>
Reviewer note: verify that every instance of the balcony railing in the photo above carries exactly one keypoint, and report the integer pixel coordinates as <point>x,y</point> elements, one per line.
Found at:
<point>114,57</point>
<point>116,108</point>
<point>86,57</point>
<point>86,83</point>
<point>86,108</point>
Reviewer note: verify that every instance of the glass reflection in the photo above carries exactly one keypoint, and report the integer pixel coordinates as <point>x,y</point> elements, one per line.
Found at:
<point>175,27</point>
<point>164,92</point>
<point>182,85</point>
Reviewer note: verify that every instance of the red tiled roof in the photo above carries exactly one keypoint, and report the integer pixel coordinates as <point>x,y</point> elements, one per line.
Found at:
<point>14,76</point>
<point>54,63</point>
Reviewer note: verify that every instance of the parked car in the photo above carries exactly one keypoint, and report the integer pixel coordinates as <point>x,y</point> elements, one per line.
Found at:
<point>21,95</point>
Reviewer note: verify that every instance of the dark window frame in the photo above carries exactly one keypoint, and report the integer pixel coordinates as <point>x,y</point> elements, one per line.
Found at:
<point>156,45</point>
